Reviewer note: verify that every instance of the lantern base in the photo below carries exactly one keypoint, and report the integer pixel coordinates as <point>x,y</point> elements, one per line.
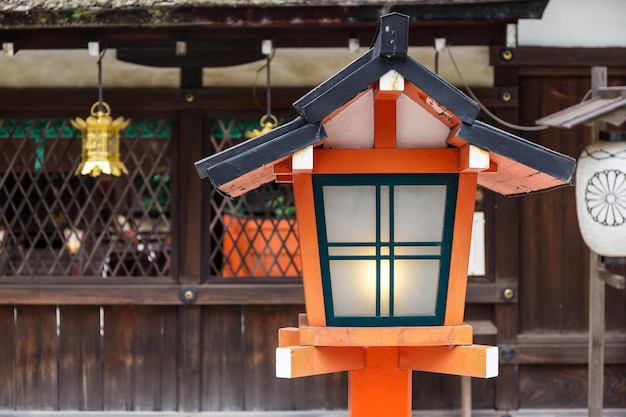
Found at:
<point>97,168</point>
<point>448,335</point>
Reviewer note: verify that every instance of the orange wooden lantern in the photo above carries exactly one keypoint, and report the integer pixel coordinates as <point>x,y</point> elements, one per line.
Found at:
<point>385,159</point>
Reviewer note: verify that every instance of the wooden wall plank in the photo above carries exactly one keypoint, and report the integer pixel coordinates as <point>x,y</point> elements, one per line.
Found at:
<point>7,353</point>
<point>553,386</point>
<point>169,359</point>
<point>222,364</point>
<point>189,324</point>
<point>80,358</point>
<point>36,359</point>
<point>323,392</point>
<point>262,390</point>
<point>558,386</point>
<point>132,358</point>
<point>540,262</point>
<point>569,258</point>
<point>436,391</point>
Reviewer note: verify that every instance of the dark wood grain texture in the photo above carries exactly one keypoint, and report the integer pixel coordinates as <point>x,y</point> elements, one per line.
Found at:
<point>80,358</point>
<point>36,376</point>
<point>7,353</point>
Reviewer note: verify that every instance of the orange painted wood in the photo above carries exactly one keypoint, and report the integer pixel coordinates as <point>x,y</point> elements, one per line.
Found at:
<point>282,171</point>
<point>288,336</point>
<point>385,161</point>
<point>299,361</point>
<point>474,360</point>
<point>386,336</point>
<point>249,181</point>
<point>428,103</point>
<point>307,229</point>
<point>463,222</point>
<point>515,178</point>
<point>385,119</point>
<point>381,388</point>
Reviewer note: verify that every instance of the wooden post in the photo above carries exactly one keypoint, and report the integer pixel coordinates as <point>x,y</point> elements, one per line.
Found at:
<point>595,384</point>
<point>381,388</point>
<point>466,396</point>
<point>595,377</point>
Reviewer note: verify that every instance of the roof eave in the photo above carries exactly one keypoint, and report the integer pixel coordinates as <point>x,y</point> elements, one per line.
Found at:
<point>226,166</point>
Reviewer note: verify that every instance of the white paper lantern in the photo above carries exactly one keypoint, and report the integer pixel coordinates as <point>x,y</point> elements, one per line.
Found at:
<point>601,195</point>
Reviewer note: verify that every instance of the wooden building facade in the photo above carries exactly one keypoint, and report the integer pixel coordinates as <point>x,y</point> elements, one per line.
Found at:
<point>159,310</point>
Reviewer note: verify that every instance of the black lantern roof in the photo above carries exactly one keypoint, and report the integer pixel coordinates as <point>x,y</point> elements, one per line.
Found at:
<point>523,166</point>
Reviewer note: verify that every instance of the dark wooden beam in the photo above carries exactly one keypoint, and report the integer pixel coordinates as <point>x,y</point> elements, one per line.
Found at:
<point>570,349</point>
<point>535,56</point>
<point>220,293</point>
<point>150,100</point>
<point>243,43</point>
<point>226,100</point>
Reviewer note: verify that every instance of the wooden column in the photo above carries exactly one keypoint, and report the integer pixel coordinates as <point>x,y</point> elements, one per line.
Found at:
<point>507,252</point>
<point>595,384</point>
<point>187,263</point>
<point>595,377</point>
<point>381,388</point>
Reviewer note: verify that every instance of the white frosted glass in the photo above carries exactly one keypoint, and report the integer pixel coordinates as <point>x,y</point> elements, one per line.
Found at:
<point>385,292</point>
<point>353,285</point>
<point>419,213</point>
<point>415,287</point>
<point>352,251</point>
<point>350,213</point>
<point>417,250</point>
<point>384,213</point>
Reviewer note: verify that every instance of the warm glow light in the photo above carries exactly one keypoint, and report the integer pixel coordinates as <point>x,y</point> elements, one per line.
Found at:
<point>415,287</point>
<point>386,247</point>
<point>2,235</point>
<point>354,287</point>
<point>384,288</point>
<point>73,239</point>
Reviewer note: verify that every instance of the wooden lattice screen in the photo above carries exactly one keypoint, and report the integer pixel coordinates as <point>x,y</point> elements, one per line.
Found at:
<point>122,224</point>
<point>254,235</point>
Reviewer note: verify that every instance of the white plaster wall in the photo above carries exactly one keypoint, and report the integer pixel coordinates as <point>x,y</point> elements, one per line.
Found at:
<point>577,23</point>
<point>75,68</point>
<point>310,67</point>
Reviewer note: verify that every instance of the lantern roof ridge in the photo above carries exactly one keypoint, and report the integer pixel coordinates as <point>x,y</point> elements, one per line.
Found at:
<point>522,166</point>
<point>387,53</point>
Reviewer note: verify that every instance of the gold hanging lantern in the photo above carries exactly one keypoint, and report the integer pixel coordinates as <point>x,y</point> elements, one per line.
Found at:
<point>268,121</point>
<point>100,142</point>
<point>100,137</point>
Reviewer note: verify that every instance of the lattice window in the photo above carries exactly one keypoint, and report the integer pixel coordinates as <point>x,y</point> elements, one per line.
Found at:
<point>254,235</point>
<point>57,224</point>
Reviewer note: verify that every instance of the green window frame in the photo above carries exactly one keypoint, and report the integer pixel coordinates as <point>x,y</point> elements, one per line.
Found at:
<point>386,251</point>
